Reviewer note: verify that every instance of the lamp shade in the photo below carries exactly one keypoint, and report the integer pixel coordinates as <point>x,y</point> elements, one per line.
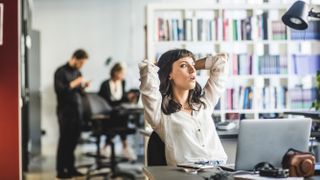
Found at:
<point>296,16</point>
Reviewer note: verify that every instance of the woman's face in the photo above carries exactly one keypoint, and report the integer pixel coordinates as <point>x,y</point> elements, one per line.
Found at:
<point>183,74</point>
<point>119,75</point>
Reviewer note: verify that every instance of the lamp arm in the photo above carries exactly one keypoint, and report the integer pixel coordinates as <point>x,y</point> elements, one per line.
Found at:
<point>314,14</point>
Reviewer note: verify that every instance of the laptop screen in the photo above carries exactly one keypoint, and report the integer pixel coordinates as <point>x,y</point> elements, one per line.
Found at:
<point>267,140</point>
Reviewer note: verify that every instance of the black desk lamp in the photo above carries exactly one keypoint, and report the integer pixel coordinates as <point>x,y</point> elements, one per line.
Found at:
<point>296,16</point>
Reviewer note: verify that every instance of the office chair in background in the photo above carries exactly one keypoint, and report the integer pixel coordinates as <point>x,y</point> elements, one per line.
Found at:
<point>101,117</point>
<point>156,151</point>
<point>86,125</point>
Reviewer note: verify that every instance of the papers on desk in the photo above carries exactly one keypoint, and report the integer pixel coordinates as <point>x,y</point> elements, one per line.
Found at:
<point>200,164</point>
<point>258,177</point>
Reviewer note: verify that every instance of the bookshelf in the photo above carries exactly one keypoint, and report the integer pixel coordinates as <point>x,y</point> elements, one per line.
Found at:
<point>272,68</point>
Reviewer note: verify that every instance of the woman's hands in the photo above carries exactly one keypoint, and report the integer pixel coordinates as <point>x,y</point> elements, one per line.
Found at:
<point>148,75</point>
<point>207,62</point>
<point>146,67</point>
<point>223,56</point>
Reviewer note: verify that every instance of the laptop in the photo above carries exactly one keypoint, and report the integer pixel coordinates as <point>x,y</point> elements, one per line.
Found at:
<point>267,140</point>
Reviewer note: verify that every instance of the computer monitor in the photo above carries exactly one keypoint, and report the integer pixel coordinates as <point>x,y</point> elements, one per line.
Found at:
<point>267,140</point>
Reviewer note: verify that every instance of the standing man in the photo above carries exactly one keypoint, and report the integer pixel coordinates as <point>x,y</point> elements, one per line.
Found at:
<point>69,86</point>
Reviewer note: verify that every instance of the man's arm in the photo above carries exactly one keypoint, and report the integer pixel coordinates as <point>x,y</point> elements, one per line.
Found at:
<point>76,83</point>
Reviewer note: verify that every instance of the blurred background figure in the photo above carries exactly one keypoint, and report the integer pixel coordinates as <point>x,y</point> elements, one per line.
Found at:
<point>69,86</point>
<point>113,91</point>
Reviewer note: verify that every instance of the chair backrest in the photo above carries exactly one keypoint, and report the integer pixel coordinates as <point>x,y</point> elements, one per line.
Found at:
<point>95,107</point>
<point>86,114</point>
<point>156,151</point>
<point>97,104</point>
<point>105,119</point>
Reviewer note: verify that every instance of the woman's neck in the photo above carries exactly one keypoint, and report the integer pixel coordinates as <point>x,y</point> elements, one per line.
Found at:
<point>181,96</point>
<point>114,80</point>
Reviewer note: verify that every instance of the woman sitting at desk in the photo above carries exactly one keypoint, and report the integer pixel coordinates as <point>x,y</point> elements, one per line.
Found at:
<point>181,112</point>
<point>113,91</point>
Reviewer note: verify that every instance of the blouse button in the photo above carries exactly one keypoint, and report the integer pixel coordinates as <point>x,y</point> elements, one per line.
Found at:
<point>202,145</point>
<point>199,130</point>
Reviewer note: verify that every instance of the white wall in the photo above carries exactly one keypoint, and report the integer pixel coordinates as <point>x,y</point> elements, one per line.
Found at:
<point>103,27</point>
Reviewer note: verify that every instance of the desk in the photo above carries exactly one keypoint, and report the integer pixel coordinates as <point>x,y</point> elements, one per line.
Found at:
<point>132,112</point>
<point>175,173</point>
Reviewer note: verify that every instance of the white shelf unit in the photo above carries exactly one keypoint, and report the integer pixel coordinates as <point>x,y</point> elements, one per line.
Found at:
<point>257,46</point>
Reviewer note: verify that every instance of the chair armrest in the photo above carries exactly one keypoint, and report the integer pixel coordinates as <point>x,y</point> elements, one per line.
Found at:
<point>145,132</point>
<point>100,117</point>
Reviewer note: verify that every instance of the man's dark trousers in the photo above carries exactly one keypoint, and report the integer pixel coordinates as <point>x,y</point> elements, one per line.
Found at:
<point>70,129</point>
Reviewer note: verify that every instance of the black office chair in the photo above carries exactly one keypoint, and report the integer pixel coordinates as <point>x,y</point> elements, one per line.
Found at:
<point>101,117</point>
<point>156,151</point>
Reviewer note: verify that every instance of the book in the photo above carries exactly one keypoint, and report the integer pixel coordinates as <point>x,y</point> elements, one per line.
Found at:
<point>306,64</point>
<point>187,26</point>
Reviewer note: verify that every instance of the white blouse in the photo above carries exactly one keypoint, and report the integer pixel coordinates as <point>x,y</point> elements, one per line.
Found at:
<point>116,90</point>
<point>187,138</point>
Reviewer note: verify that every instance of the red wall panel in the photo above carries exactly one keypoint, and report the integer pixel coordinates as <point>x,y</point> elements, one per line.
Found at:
<point>9,108</point>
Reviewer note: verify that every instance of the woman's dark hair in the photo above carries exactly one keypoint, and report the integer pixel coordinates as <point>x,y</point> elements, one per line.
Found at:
<point>116,68</point>
<point>80,54</point>
<point>165,63</point>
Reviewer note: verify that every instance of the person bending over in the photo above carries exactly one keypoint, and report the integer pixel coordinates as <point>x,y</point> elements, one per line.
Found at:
<point>180,113</point>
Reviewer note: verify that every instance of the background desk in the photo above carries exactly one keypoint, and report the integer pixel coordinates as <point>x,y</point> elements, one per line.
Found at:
<point>315,115</point>
<point>229,134</point>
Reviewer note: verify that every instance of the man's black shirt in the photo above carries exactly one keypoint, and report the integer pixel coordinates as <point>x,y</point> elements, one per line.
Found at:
<point>68,99</point>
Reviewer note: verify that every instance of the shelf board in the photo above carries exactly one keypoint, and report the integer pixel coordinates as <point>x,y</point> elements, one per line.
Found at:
<point>264,76</point>
<point>304,41</point>
<point>272,110</point>
<point>232,76</point>
<point>272,76</point>
<point>268,76</point>
<point>252,111</point>
<point>216,6</point>
<point>244,111</point>
<point>302,76</point>
<point>246,42</point>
